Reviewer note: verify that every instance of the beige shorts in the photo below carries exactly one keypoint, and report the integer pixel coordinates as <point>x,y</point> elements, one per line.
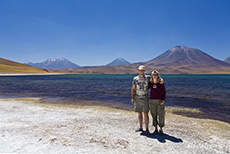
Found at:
<point>141,103</point>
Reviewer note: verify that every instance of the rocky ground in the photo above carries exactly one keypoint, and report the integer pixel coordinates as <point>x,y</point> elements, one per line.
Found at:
<point>32,126</point>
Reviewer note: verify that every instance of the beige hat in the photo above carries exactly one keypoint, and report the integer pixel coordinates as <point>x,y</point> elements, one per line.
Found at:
<point>142,67</point>
<point>155,71</point>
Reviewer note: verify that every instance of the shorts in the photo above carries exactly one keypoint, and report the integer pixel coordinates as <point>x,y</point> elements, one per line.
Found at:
<point>141,103</point>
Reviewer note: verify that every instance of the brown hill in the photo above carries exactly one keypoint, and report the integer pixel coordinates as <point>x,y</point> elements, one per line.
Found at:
<point>7,66</point>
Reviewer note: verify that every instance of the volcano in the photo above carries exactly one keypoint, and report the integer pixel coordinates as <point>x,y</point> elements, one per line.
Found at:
<point>182,59</point>
<point>184,56</point>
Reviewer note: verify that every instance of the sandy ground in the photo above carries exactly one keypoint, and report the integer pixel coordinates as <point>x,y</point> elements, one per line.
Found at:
<point>29,126</point>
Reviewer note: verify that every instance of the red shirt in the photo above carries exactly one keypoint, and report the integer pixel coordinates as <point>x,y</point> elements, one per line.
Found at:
<point>157,91</point>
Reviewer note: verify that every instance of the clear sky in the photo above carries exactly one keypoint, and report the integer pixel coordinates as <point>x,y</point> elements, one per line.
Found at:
<point>95,32</point>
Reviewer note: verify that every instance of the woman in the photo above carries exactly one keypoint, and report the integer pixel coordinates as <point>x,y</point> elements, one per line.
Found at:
<point>157,99</point>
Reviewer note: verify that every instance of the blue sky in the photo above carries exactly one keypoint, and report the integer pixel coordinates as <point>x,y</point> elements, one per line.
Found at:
<point>95,32</point>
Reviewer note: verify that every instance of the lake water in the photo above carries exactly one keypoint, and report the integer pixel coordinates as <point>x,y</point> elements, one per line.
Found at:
<point>210,93</point>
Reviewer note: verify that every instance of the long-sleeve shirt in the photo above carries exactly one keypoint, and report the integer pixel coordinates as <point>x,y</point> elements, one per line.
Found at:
<point>157,91</point>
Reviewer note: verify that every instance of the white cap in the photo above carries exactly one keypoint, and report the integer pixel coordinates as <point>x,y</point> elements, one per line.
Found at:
<point>142,67</point>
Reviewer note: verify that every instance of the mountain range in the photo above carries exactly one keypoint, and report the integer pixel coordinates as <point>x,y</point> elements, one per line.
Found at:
<point>178,60</point>
<point>63,63</point>
<point>54,63</point>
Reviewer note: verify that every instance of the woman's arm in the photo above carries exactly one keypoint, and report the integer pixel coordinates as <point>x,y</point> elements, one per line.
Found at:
<point>162,81</point>
<point>163,94</point>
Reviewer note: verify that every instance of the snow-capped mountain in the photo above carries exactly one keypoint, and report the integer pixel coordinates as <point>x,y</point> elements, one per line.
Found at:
<point>54,63</point>
<point>119,61</point>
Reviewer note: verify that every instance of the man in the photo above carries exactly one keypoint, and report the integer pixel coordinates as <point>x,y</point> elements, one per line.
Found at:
<point>140,97</point>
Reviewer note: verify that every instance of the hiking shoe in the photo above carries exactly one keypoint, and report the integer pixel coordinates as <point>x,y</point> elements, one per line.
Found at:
<point>139,130</point>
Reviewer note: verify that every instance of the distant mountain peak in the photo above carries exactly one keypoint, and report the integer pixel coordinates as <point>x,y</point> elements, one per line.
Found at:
<point>55,59</point>
<point>119,61</point>
<point>183,49</point>
<point>62,59</point>
<point>52,59</point>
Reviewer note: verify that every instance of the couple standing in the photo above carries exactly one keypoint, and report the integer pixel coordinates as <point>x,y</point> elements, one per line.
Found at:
<point>141,84</point>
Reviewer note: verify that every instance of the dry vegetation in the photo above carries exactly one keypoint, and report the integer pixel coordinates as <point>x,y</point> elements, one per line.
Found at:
<point>7,66</point>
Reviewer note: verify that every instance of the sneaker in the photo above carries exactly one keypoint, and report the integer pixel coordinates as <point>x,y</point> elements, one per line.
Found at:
<point>161,131</point>
<point>147,131</point>
<point>155,131</point>
<point>139,130</point>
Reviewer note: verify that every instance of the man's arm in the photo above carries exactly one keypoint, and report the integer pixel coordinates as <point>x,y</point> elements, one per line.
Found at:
<point>133,93</point>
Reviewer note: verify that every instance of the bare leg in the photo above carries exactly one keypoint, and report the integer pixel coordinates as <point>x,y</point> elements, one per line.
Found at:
<point>146,120</point>
<point>140,118</point>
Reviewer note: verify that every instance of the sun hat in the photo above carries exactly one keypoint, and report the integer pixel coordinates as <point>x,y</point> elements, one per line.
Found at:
<point>142,67</point>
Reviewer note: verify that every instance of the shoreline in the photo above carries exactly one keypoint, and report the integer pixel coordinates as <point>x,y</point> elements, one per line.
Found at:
<point>174,110</point>
<point>28,74</point>
<point>66,73</point>
<point>177,109</point>
<point>29,125</point>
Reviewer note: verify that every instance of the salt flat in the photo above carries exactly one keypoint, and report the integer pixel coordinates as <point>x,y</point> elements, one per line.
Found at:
<point>29,126</point>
